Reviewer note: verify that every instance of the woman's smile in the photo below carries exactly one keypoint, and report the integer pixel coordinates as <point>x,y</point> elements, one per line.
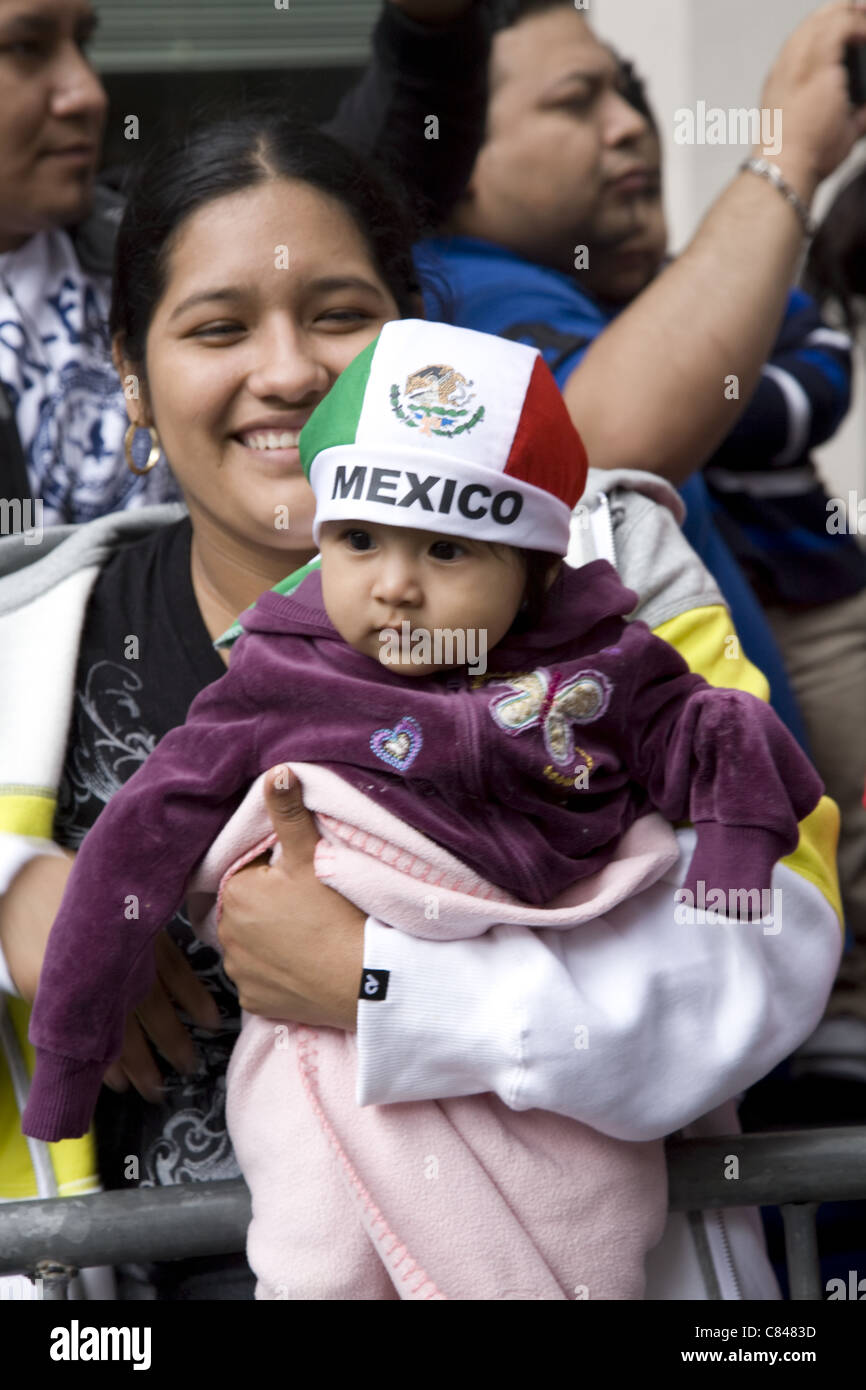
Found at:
<point>271,445</point>
<point>274,461</point>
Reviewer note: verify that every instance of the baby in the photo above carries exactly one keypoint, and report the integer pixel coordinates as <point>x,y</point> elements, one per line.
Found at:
<point>445,469</point>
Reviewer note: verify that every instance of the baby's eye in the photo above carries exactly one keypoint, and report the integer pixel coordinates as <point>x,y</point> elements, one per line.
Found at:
<point>446,550</point>
<point>359,540</point>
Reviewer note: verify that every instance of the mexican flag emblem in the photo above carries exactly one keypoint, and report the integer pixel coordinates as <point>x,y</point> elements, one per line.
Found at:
<point>436,400</point>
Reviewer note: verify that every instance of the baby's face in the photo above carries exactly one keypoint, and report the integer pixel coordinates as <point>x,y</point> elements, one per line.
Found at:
<point>377,578</point>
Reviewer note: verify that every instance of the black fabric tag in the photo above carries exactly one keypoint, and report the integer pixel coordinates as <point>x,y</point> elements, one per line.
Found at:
<point>374,984</point>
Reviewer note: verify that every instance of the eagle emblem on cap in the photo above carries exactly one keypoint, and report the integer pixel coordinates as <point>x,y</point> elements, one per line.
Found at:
<point>436,400</point>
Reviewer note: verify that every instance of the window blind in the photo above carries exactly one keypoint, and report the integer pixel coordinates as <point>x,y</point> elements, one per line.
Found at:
<point>202,35</point>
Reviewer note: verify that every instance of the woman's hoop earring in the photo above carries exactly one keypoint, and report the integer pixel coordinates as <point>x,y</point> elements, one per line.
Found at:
<point>155,449</point>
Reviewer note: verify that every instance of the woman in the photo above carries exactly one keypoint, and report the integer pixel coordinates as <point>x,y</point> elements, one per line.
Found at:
<point>62,407</point>
<point>63,436</point>
<point>253,265</point>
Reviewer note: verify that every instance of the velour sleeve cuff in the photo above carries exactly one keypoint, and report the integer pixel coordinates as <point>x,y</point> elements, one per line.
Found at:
<point>736,860</point>
<point>62,1098</point>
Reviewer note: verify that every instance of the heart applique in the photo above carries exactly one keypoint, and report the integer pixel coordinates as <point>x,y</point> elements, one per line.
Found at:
<point>400,746</point>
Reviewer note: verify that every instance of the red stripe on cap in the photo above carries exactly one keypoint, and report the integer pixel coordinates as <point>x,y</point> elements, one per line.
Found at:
<point>547,450</point>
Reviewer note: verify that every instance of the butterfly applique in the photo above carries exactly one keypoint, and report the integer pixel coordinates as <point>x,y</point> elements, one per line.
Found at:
<point>544,698</point>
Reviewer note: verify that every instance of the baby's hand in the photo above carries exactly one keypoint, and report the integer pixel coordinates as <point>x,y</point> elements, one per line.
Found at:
<point>710,903</point>
<point>731,872</point>
<point>745,905</point>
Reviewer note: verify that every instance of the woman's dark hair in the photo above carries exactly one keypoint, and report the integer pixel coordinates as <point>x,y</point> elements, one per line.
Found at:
<point>836,268</point>
<point>222,156</point>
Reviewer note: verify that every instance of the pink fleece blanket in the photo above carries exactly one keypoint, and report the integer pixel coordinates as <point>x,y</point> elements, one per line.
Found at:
<point>458,1198</point>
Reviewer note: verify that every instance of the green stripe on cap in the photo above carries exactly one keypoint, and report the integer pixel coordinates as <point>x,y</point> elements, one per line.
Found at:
<point>335,419</point>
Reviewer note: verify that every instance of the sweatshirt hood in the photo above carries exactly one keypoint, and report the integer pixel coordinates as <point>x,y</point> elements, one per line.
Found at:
<point>634,480</point>
<point>579,602</point>
<point>301,613</point>
<point>27,571</point>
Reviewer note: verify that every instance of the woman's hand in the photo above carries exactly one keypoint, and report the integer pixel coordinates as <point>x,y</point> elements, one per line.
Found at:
<point>808,86</point>
<point>294,948</point>
<point>176,983</point>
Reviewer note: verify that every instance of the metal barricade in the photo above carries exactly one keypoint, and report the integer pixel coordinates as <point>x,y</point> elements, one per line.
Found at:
<point>796,1171</point>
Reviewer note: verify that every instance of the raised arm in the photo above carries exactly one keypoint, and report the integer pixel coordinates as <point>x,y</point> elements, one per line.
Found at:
<point>419,107</point>
<point>715,312</point>
<point>802,397</point>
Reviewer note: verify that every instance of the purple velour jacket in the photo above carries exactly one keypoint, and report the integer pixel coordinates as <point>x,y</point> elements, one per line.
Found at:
<point>530,774</point>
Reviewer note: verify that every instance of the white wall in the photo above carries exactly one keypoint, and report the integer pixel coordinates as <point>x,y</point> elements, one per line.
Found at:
<point>719,51</point>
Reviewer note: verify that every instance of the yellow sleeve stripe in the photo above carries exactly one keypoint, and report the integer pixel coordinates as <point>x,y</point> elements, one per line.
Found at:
<point>73,1160</point>
<point>27,811</point>
<point>30,811</point>
<point>707,641</point>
